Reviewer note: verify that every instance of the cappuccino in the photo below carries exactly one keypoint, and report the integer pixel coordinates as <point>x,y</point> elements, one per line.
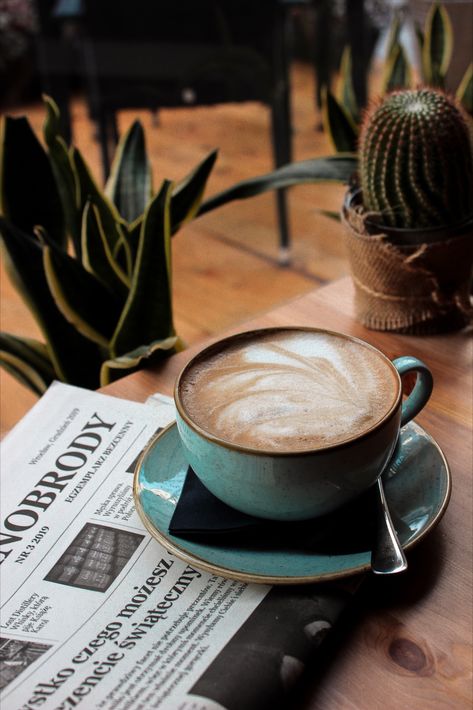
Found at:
<point>289,390</point>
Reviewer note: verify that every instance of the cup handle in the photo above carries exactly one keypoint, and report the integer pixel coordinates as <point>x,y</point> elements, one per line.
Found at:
<point>419,396</point>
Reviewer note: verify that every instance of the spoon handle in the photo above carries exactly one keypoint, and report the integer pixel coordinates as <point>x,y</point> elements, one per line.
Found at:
<point>387,556</point>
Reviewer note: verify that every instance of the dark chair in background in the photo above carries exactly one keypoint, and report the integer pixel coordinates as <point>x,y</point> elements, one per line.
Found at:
<point>143,54</point>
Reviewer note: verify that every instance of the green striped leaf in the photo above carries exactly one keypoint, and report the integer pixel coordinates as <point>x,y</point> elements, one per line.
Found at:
<point>97,257</point>
<point>133,236</point>
<point>438,45</point>
<point>340,127</point>
<point>75,358</point>
<point>397,72</point>
<point>28,193</point>
<point>330,214</point>
<point>129,185</point>
<point>118,367</point>
<point>110,218</point>
<point>464,92</point>
<point>82,299</point>
<point>187,194</point>
<point>394,34</point>
<point>346,93</point>
<point>64,173</point>
<point>147,316</point>
<point>334,168</point>
<point>27,360</point>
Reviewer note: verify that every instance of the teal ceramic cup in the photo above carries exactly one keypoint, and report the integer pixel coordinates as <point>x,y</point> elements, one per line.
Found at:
<point>338,395</point>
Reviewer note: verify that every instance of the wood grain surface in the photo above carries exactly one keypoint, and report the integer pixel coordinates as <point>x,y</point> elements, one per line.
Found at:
<point>225,264</point>
<point>407,641</point>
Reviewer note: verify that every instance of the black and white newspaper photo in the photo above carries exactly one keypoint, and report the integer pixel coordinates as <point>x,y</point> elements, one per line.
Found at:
<point>95,612</point>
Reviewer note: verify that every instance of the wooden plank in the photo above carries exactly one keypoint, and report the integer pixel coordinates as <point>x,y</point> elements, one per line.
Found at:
<point>407,643</point>
<point>225,264</point>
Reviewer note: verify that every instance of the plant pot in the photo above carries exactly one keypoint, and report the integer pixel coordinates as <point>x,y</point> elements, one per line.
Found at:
<point>409,281</point>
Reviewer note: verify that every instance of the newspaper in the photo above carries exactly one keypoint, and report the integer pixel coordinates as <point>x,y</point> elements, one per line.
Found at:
<point>94,612</point>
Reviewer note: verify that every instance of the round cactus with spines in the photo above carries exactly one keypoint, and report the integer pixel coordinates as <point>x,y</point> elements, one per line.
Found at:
<point>416,160</point>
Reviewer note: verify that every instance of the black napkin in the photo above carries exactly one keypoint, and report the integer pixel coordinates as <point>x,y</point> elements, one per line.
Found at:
<point>199,512</point>
<point>199,515</point>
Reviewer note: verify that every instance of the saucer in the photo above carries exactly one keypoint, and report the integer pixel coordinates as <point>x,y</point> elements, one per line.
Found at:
<point>417,487</point>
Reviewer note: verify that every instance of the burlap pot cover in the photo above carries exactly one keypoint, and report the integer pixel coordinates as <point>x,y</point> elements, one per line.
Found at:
<point>420,289</point>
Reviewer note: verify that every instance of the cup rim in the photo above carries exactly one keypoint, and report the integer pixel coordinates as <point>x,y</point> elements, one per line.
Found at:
<point>222,342</point>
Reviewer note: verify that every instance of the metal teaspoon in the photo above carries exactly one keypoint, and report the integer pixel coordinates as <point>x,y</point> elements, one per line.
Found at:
<point>387,556</point>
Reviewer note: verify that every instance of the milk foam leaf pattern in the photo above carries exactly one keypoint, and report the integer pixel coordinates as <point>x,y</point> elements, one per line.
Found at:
<point>28,192</point>
<point>187,194</point>
<point>84,301</point>
<point>67,181</point>
<point>338,123</point>
<point>321,371</point>
<point>28,360</point>
<point>129,185</point>
<point>68,349</point>
<point>147,315</point>
<point>276,388</point>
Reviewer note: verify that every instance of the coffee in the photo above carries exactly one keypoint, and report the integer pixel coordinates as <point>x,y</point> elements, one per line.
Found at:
<point>289,390</point>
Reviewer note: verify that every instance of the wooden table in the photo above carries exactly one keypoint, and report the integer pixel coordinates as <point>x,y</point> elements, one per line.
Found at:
<point>407,643</point>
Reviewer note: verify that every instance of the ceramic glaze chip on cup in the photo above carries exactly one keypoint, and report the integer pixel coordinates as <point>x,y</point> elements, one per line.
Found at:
<point>292,423</point>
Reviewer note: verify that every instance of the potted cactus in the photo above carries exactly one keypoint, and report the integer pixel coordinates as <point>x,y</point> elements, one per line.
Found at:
<point>95,265</point>
<point>409,217</point>
<point>408,213</point>
<point>415,167</point>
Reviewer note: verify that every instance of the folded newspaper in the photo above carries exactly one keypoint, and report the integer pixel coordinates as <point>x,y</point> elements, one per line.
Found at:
<point>94,612</point>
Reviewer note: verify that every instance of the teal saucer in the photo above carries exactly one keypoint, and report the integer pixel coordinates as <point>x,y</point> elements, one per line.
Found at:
<point>417,487</point>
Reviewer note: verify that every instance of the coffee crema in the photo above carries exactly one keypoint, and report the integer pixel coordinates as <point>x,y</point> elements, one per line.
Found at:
<point>288,390</point>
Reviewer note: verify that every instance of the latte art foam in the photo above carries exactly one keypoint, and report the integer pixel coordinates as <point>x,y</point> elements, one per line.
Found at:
<point>289,391</point>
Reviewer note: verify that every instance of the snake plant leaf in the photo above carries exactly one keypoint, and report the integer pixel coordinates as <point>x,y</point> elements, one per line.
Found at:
<point>27,360</point>
<point>82,299</point>
<point>187,194</point>
<point>419,34</point>
<point>330,214</point>
<point>129,185</point>
<point>96,255</point>
<point>394,34</point>
<point>397,73</point>
<point>147,315</point>
<point>133,236</point>
<point>340,127</point>
<point>28,190</point>
<point>438,45</point>
<point>464,92</point>
<point>76,359</point>
<point>334,168</point>
<point>109,215</point>
<point>346,91</point>
<point>64,172</point>
<point>117,367</point>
